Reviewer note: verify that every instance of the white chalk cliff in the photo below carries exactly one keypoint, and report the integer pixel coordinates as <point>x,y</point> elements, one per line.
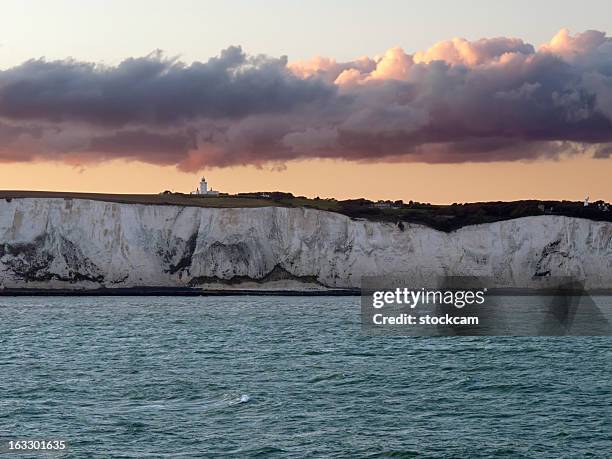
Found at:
<point>82,244</point>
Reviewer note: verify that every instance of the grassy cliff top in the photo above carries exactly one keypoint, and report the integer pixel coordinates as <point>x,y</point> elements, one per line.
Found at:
<point>440,217</point>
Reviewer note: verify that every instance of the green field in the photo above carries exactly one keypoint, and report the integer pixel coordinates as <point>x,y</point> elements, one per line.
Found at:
<point>174,199</point>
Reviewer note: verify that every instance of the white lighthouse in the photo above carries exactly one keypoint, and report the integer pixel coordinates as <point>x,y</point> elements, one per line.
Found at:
<point>203,189</point>
<point>203,186</point>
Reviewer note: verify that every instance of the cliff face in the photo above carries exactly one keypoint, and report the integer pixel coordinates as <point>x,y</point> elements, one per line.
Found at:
<point>82,244</point>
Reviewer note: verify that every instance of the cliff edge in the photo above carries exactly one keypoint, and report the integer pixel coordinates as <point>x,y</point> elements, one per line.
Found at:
<point>80,244</point>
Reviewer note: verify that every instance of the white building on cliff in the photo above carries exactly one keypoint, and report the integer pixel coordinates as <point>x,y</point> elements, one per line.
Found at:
<point>203,189</point>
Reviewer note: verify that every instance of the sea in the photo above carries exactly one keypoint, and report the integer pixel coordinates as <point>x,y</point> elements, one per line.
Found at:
<point>274,376</point>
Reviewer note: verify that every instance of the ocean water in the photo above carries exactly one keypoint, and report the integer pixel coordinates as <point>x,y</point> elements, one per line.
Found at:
<point>287,377</point>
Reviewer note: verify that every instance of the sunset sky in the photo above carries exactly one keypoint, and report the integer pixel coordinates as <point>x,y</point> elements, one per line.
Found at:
<point>431,101</point>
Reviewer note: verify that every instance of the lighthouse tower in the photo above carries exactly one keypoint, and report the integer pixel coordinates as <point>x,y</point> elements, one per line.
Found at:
<point>203,190</point>
<point>203,186</point>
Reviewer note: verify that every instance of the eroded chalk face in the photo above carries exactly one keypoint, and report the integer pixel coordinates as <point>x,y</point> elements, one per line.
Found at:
<point>81,243</point>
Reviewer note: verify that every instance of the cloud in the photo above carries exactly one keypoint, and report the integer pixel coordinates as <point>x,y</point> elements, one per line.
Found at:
<point>461,51</point>
<point>497,99</point>
<point>153,89</point>
<point>161,148</point>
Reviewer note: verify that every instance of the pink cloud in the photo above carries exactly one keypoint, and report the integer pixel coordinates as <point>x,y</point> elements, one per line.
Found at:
<point>486,100</point>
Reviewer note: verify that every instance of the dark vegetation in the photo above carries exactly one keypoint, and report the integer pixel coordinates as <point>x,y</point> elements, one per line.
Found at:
<point>451,217</point>
<point>444,217</point>
<point>441,217</point>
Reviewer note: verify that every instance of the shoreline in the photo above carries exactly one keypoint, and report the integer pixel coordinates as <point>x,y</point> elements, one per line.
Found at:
<point>173,291</point>
<point>190,292</point>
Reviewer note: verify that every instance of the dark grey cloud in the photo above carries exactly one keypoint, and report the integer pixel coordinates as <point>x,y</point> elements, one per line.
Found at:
<point>161,148</point>
<point>494,99</point>
<point>154,90</point>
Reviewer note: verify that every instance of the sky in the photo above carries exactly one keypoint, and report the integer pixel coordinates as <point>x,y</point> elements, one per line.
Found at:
<point>434,101</point>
